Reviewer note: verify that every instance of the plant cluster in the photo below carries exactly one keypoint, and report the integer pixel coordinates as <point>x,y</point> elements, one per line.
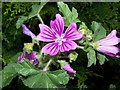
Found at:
<point>63,50</point>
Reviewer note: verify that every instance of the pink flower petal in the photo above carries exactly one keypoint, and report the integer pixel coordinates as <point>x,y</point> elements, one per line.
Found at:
<point>68,45</point>
<point>109,50</point>
<point>110,39</point>
<point>27,31</point>
<point>71,33</point>
<point>31,56</point>
<point>68,69</point>
<point>111,34</point>
<point>57,25</point>
<point>20,57</point>
<point>46,34</point>
<point>51,48</point>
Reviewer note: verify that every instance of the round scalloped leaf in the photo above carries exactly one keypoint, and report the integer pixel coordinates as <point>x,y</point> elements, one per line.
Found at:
<point>51,79</point>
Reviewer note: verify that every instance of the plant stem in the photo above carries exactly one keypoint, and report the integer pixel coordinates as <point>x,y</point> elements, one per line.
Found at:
<point>81,47</point>
<point>40,18</point>
<point>49,62</point>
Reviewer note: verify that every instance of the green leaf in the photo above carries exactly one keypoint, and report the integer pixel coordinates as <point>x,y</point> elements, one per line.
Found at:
<point>91,57</point>
<point>61,76</point>
<point>101,58</point>
<point>99,31</point>
<point>112,86</point>
<point>0,80</point>
<point>53,79</point>
<point>74,15</point>
<point>15,58</point>
<point>36,9</point>
<point>25,68</point>
<point>20,21</point>
<point>64,8</point>
<point>69,16</point>
<point>8,73</point>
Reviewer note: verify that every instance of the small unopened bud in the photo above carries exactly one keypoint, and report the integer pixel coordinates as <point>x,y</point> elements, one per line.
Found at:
<point>83,31</point>
<point>28,47</point>
<point>68,69</point>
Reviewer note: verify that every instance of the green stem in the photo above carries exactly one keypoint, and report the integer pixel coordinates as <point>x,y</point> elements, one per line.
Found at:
<point>46,67</point>
<point>39,17</point>
<point>81,47</point>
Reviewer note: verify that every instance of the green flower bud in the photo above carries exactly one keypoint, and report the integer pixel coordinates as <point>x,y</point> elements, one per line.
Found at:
<point>28,47</point>
<point>73,56</point>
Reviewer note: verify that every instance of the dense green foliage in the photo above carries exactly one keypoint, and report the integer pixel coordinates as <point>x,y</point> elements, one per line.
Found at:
<point>101,75</point>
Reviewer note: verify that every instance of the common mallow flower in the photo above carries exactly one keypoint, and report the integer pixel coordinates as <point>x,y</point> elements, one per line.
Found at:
<point>26,31</point>
<point>57,40</point>
<point>106,45</point>
<point>68,69</point>
<point>29,56</point>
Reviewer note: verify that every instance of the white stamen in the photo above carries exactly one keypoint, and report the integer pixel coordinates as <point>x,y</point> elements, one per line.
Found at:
<point>60,39</point>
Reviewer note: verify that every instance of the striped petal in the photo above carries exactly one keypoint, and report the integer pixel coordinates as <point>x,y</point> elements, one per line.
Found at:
<point>57,25</point>
<point>71,32</point>
<point>51,49</point>
<point>68,45</point>
<point>31,56</point>
<point>27,31</point>
<point>110,39</point>
<point>109,50</point>
<point>46,34</point>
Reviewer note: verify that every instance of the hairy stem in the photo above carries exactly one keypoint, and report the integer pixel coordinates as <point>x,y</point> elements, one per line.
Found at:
<point>46,67</point>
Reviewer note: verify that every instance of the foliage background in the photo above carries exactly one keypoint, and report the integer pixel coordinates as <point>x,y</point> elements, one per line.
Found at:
<point>105,76</point>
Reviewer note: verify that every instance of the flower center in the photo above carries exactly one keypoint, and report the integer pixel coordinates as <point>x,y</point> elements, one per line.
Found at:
<point>60,39</point>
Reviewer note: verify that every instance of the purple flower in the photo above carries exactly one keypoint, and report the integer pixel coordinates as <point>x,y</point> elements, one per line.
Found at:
<point>106,45</point>
<point>31,57</point>
<point>58,40</point>
<point>68,69</point>
<point>20,57</point>
<point>27,31</point>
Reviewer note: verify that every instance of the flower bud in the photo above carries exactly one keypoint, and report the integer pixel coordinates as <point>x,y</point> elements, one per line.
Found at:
<point>28,47</point>
<point>68,69</point>
<point>30,57</point>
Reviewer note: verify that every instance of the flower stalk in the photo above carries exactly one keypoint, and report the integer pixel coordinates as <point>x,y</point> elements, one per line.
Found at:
<point>81,47</point>
<point>46,67</point>
<point>39,17</point>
